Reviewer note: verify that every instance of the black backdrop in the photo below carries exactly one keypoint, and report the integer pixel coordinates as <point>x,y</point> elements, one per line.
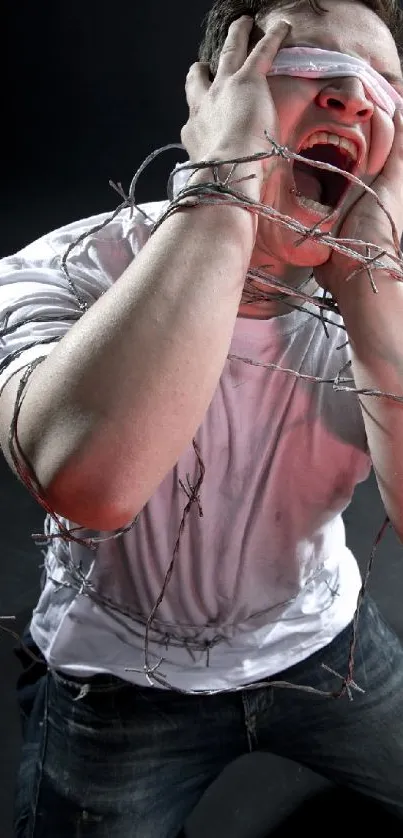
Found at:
<point>89,89</point>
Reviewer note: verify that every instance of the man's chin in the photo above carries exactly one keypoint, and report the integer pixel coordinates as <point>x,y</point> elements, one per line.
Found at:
<point>291,247</point>
<point>299,249</point>
<point>291,250</point>
<point>296,250</point>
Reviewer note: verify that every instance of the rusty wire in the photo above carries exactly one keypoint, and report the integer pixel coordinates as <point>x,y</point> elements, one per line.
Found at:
<point>368,256</point>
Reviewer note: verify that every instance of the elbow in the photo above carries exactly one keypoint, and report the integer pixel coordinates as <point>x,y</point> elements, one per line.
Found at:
<point>91,516</point>
<point>87,506</point>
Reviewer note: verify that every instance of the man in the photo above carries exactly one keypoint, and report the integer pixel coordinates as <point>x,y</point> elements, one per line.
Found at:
<point>162,645</point>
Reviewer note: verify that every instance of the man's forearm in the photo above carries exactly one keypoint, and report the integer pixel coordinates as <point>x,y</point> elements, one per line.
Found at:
<point>374,324</point>
<point>120,398</point>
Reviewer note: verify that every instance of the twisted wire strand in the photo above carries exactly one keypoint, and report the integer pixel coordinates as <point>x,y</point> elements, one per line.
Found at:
<point>368,256</point>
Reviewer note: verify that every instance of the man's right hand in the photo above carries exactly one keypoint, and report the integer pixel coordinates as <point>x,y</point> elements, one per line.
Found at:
<point>228,117</point>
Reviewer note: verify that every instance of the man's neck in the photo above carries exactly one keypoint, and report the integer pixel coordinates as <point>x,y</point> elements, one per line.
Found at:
<point>261,302</point>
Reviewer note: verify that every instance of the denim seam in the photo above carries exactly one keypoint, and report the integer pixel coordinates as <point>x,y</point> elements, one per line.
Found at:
<point>250,722</point>
<point>41,760</point>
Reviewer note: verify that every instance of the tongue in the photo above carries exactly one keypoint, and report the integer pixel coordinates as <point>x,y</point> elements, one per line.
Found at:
<point>307,182</point>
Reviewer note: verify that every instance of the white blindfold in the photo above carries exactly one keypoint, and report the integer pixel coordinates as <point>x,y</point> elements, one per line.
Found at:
<point>309,63</point>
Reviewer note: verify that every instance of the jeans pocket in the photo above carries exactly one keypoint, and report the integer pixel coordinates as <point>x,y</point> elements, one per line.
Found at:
<point>73,685</point>
<point>95,703</point>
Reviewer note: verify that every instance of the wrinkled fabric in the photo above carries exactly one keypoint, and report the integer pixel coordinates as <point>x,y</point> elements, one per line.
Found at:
<point>265,578</point>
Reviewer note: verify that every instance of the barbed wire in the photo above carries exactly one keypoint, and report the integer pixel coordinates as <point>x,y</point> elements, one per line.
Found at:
<point>368,256</point>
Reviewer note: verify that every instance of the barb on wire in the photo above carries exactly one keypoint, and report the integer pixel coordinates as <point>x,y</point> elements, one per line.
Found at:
<point>193,497</point>
<point>259,285</point>
<point>369,272</point>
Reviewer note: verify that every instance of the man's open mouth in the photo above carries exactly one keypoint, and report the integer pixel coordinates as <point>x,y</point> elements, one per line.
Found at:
<point>319,186</point>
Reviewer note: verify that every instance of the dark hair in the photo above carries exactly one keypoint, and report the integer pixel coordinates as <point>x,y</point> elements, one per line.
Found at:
<point>223,12</point>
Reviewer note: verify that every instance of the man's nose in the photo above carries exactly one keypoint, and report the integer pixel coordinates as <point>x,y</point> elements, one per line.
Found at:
<point>347,98</point>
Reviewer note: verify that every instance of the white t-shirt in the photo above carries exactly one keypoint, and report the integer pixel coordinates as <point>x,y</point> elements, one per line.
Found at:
<point>264,578</point>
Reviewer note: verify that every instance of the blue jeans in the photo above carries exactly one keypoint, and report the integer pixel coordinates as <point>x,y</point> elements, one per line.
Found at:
<point>126,761</point>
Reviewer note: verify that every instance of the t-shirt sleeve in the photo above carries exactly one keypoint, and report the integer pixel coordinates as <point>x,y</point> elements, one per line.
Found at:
<point>39,303</point>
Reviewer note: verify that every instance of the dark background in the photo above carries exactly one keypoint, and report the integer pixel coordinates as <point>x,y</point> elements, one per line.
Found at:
<point>88,91</point>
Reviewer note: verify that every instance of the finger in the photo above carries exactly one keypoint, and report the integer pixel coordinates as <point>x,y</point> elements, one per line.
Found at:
<point>197,83</point>
<point>395,158</point>
<point>235,49</point>
<point>263,54</point>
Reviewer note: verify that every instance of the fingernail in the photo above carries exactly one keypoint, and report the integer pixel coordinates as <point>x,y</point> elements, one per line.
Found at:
<point>285,22</point>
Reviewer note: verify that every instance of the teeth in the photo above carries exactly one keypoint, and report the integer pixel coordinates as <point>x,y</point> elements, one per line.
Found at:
<point>320,137</point>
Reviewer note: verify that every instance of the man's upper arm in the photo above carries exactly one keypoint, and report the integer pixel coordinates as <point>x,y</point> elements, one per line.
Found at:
<point>38,306</point>
<point>8,401</point>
